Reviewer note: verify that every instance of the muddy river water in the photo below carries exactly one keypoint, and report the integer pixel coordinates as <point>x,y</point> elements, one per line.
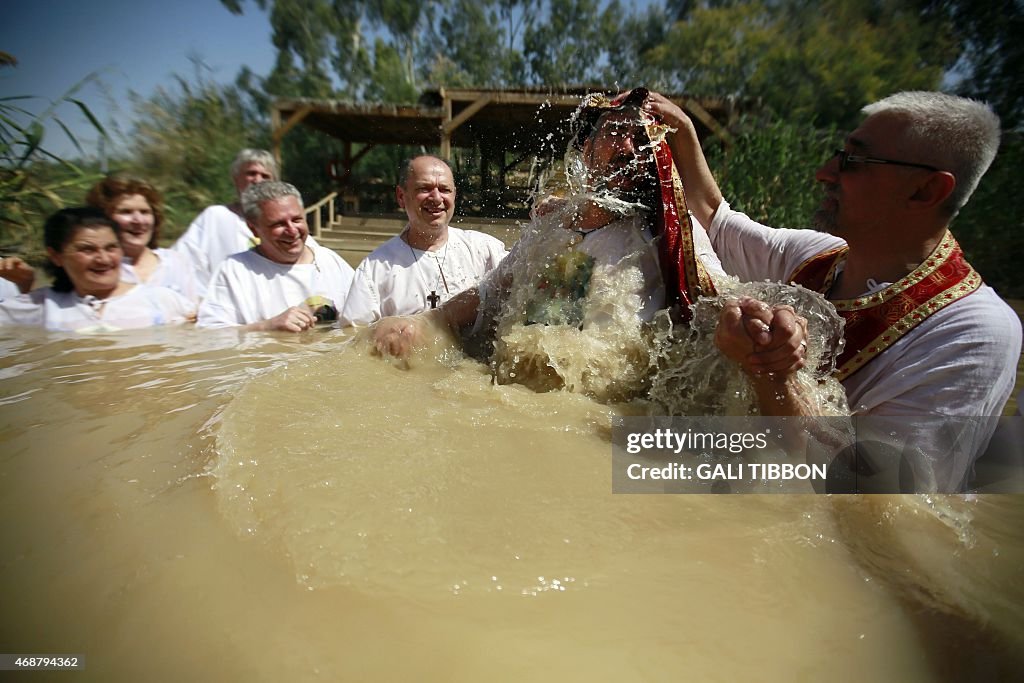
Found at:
<point>184,505</point>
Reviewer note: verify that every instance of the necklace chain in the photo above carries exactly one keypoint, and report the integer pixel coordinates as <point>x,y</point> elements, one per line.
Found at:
<point>438,261</point>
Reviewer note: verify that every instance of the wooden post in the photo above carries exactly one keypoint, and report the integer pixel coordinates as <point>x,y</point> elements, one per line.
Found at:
<point>446,135</point>
<point>278,131</point>
<point>275,123</point>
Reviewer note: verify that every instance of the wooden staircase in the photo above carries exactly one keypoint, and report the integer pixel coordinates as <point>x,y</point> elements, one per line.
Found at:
<point>355,236</point>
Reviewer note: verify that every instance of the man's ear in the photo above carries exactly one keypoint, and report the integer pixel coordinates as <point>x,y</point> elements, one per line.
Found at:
<point>400,196</point>
<point>934,191</point>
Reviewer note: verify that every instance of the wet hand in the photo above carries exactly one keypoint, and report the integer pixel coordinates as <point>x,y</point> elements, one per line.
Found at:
<point>397,336</point>
<point>295,319</point>
<point>548,205</point>
<point>764,340</point>
<point>665,109</point>
<point>786,352</point>
<point>17,271</point>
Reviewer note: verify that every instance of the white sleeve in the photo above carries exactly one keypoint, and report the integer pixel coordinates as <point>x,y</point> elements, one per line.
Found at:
<point>362,305</point>
<point>754,252</point>
<point>8,290</point>
<point>167,306</point>
<point>190,246</point>
<point>219,308</point>
<point>496,252</point>
<point>23,309</point>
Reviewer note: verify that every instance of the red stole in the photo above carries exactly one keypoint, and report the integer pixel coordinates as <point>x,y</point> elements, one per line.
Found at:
<point>876,321</point>
<point>684,274</point>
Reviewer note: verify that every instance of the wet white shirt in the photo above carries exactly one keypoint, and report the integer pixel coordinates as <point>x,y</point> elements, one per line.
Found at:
<point>616,248</point>
<point>249,288</point>
<point>396,279</point>
<point>141,306</point>
<point>613,246</point>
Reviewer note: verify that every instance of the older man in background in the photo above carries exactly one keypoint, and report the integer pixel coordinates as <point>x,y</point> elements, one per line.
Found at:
<point>429,262</point>
<point>221,230</point>
<point>284,283</point>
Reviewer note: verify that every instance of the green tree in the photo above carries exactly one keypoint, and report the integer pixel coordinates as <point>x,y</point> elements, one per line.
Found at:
<point>389,82</point>
<point>768,171</point>
<point>185,139</point>
<point>841,54</point>
<point>987,228</point>
<point>572,41</point>
<point>990,58</point>
<point>817,60</point>
<point>481,41</point>
<point>714,51</point>
<point>407,23</point>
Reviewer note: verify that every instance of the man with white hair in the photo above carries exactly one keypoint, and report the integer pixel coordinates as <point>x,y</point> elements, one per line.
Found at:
<point>928,345</point>
<point>221,230</point>
<point>284,283</point>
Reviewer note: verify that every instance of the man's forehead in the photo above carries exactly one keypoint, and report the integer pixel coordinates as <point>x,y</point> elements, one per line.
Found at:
<point>880,130</point>
<point>86,235</point>
<point>281,205</point>
<point>429,169</point>
<point>253,166</point>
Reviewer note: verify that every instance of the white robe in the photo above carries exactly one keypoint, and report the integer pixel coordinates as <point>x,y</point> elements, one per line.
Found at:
<point>216,233</point>
<point>141,306</point>
<point>570,310</point>
<point>174,271</point>
<point>8,289</point>
<point>249,288</point>
<point>396,279</point>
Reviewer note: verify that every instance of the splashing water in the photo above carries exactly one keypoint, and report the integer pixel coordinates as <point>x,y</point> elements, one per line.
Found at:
<point>578,309</point>
<point>694,378</point>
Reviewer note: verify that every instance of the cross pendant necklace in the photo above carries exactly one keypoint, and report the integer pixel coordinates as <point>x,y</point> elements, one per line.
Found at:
<point>434,297</point>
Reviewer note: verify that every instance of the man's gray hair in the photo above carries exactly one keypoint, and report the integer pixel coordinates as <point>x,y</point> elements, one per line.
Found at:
<point>257,193</point>
<point>254,156</point>
<point>953,133</point>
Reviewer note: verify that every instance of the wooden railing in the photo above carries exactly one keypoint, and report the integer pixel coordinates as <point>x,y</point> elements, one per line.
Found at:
<point>315,214</point>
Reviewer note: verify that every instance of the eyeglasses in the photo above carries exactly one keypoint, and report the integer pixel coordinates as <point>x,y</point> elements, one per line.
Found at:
<point>845,159</point>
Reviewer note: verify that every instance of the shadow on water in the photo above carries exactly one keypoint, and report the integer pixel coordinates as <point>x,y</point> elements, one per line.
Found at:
<point>953,563</point>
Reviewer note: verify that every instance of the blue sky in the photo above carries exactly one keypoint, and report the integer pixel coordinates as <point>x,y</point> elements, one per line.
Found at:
<point>131,45</point>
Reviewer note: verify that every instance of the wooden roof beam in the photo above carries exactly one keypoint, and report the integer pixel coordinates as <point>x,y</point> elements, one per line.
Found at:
<point>705,117</point>
<point>278,130</point>
<point>465,114</point>
<point>293,120</point>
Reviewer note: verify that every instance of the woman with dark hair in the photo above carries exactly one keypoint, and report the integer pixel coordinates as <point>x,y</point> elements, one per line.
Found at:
<point>88,294</point>
<point>137,207</point>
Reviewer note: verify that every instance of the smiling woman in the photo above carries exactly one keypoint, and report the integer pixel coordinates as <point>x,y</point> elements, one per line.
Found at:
<point>137,207</point>
<point>88,294</point>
